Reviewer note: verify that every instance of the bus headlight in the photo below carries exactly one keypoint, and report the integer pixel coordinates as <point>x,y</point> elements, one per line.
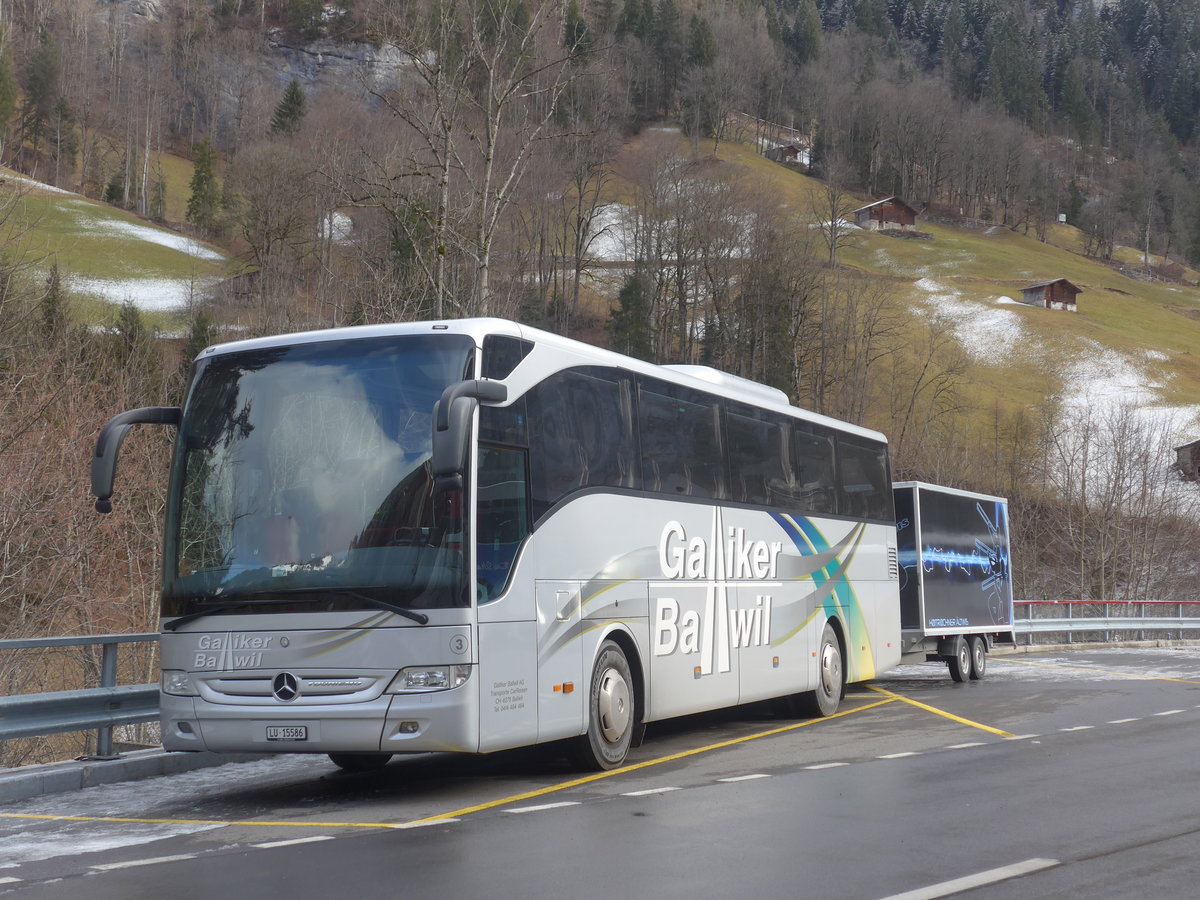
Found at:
<point>420,679</point>
<point>179,684</point>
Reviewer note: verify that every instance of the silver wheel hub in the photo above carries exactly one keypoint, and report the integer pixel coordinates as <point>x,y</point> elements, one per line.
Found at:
<point>831,670</point>
<point>613,706</point>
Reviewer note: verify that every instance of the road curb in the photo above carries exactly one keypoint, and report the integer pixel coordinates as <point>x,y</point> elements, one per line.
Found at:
<point>55,778</point>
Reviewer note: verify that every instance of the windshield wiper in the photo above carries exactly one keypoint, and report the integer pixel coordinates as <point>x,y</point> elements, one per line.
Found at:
<point>289,596</point>
<point>418,617</point>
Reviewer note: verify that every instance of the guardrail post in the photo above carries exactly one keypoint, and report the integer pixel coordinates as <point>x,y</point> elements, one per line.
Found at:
<point>108,678</point>
<point>1070,633</point>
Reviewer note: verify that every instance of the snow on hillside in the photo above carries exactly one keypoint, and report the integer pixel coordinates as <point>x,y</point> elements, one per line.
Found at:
<point>93,220</point>
<point>1094,377</point>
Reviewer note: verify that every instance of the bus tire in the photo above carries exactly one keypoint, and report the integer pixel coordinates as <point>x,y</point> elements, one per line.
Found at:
<point>978,657</point>
<point>831,678</point>
<point>360,762</point>
<point>959,659</point>
<point>612,712</point>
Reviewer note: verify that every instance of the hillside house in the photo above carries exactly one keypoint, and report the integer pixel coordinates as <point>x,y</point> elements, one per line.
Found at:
<point>886,214</point>
<point>1187,458</point>
<point>1056,294</point>
<point>797,153</point>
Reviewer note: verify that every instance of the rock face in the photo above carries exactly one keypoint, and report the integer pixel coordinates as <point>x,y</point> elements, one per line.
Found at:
<point>349,66</point>
<point>146,9</point>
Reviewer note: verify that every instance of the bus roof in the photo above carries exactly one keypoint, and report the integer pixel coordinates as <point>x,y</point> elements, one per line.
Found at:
<point>571,353</point>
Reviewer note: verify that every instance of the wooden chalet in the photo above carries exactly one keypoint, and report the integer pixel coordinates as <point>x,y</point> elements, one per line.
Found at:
<point>797,153</point>
<point>1056,294</point>
<point>1187,458</point>
<point>885,214</point>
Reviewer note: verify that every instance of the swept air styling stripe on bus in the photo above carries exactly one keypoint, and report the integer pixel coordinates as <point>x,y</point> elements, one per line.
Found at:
<point>841,600</point>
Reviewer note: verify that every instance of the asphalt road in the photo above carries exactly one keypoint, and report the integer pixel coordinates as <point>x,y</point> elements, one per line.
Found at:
<point>1059,775</point>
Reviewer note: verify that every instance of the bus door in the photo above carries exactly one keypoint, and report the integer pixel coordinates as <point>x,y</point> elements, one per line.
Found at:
<point>562,690</point>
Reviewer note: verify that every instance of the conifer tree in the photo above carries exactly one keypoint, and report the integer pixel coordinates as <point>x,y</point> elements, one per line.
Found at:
<point>289,114</point>
<point>204,204</point>
<point>54,304</point>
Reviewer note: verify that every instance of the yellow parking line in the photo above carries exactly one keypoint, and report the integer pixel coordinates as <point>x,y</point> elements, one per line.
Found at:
<point>941,712</point>
<point>1047,665</point>
<point>683,754</point>
<point>491,804</point>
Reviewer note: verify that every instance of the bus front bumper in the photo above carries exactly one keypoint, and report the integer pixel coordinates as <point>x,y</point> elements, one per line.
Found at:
<point>443,721</point>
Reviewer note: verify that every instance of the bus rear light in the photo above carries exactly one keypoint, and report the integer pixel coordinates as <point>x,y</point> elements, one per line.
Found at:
<point>696,672</point>
<point>423,679</point>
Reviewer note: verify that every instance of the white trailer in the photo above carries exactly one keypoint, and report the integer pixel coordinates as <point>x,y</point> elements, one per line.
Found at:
<point>955,581</point>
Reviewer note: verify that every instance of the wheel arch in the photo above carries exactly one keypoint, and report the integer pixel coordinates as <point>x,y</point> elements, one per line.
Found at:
<point>628,645</point>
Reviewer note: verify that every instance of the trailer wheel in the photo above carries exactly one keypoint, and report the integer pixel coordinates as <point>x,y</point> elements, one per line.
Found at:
<point>978,657</point>
<point>360,762</point>
<point>960,659</point>
<point>831,678</point>
<point>611,711</point>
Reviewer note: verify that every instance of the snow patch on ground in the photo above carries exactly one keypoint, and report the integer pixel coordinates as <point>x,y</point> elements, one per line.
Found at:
<point>29,182</point>
<point>989,335</point>
<point>91,224</point>
<point>145,293</point>
<point>1094,377</point>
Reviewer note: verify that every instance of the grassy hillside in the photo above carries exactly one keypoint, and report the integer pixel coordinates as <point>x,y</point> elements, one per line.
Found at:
<point>105,255</point>
<point>1129,340</point>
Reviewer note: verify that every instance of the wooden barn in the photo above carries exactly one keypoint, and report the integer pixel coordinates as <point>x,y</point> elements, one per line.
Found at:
<point>1056,294</point>
<point>796,153</point>
<point>1187,458</point>
<point>888,213</point>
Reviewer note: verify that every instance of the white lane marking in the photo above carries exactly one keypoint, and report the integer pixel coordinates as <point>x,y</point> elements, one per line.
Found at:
<point>649,791</point>
<point>429,824</point>
<point>1170,712</point>
<point>832,765</point>
<point>529,809</point>
<point>291,843</point>
<point>737,778</point>
<point>129,864</point>
<point>1078,728</point>
<point>991,876</point>
<point>897,755</point>
<point>1022,737</point>
<point>8,879</point>
<point>967,745</point>
<point>1124,721</point>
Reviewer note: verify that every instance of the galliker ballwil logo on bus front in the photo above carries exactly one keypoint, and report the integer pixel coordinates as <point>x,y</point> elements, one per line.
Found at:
<point>726,557</point>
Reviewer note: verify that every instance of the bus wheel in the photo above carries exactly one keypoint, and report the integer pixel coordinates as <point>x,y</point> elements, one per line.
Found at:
<point>360,762</point>
<point>978,657</point>
<point>831,678</point>
<point>960,659</point>
<point>611,711</point>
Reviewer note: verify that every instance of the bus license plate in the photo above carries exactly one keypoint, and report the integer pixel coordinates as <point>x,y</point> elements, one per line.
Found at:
<point>287,732</point>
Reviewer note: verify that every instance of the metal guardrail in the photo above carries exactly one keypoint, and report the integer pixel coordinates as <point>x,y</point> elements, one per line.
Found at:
<point>102,707</point>
<point>1123,619</point>
<point>109,705</point>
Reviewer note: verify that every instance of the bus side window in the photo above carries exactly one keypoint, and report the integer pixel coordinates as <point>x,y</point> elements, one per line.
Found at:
<point>680,432</point>
<point>756,441</point>
<point>812,468</point>
<point>866,490</point>
<point>503,520</point>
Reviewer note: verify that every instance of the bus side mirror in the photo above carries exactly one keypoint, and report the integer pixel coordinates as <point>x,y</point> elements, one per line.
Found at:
<point>108,447</point>
<point>452,416</point>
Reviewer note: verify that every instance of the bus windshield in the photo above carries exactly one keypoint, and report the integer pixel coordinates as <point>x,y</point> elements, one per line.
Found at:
<point>302,472</point>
